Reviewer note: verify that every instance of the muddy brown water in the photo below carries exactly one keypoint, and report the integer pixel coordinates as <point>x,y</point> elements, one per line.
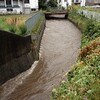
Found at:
<point>59,50</point>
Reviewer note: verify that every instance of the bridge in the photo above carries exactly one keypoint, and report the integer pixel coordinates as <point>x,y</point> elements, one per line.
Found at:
<point>56,11</point>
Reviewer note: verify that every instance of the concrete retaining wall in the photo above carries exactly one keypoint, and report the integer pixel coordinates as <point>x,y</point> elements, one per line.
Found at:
<point>17,53</point>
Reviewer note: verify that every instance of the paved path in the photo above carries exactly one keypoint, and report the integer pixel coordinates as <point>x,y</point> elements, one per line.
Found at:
<point>59,50</point>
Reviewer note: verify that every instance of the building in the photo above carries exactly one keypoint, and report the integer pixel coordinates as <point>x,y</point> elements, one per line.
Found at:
<point>64,3</point>
<point>18,6</point>
<point>90,2</point>
<point>77,1</point>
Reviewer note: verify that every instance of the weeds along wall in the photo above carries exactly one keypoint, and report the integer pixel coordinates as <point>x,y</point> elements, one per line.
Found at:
<point>18,53</point>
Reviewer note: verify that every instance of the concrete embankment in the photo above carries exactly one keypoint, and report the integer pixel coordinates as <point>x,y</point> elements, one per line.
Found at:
<point>17,53</point>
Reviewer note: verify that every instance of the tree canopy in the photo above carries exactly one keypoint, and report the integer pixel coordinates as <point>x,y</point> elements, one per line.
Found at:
<point>44,4</point>
<point>52,3</point>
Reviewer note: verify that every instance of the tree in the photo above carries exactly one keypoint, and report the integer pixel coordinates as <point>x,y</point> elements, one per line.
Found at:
<point>42,4</point>
<point>52,3</point>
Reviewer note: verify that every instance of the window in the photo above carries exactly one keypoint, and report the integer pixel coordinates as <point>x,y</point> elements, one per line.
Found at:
<point>8,2</point>
<point>26,1</point>
<point>77,1</point>
<point>9,9</point>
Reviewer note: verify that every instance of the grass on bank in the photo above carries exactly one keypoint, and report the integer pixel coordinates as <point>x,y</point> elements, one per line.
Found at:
<point>83,79</point>
<point>16,24</point>
<point>36,29</point>
<point>13,23</point>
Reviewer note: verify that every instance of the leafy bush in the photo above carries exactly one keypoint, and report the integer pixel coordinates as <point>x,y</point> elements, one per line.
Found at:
<point>92,29</point>
<point>52,3</point>
<point>83,79</point>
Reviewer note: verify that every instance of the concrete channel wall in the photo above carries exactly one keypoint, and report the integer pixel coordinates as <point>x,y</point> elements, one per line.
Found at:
<point>18,53</point>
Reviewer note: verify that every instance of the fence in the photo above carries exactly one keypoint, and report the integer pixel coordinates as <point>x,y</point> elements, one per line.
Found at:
<point>31,22</point>
<point>90,14</point>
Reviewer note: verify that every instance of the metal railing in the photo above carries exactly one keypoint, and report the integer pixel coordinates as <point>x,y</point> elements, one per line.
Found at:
<point>90,14</point>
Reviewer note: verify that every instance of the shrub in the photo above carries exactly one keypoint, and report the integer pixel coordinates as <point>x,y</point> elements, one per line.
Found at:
<point>92,29</point>
<point>83,79</point>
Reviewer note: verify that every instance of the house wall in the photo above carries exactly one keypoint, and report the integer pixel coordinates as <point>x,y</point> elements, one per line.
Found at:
<point>83,3</point>
<point>92,2</point>
<point>21,6</point>
<point>63,3</point>
<point>15,2</point>
<point>2,3</point>
<point>24,8</point>
<point>4,11</point>
<point>16,10</point>
<point>34,4</point>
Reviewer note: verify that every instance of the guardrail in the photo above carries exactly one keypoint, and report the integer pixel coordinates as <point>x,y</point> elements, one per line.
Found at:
<point>90,14</point>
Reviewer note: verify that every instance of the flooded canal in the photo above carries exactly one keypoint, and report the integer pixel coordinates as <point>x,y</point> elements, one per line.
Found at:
<point>59,50</point>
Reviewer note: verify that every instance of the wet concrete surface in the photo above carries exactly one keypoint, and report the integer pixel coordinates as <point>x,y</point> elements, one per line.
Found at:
<point>59,50</point>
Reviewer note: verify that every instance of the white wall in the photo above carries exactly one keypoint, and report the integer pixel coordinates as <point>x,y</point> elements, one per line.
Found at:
<point>70,2</point>
<point>34,4</point>
<point>21,6</point>
<point>3,11</point>
<point>64,3</point>
<point>15,2</point>
<point>83,2</point>
<point>2,3</point>
<point>15,11</point>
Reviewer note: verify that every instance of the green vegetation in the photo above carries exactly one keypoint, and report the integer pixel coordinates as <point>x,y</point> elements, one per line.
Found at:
<point>16,24</point>
<point>42,4</point>
<point>37,27</point>
<point>45,5</point>
<point>83,79</point>
<point>13,23</point>
<point>52,3</point>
